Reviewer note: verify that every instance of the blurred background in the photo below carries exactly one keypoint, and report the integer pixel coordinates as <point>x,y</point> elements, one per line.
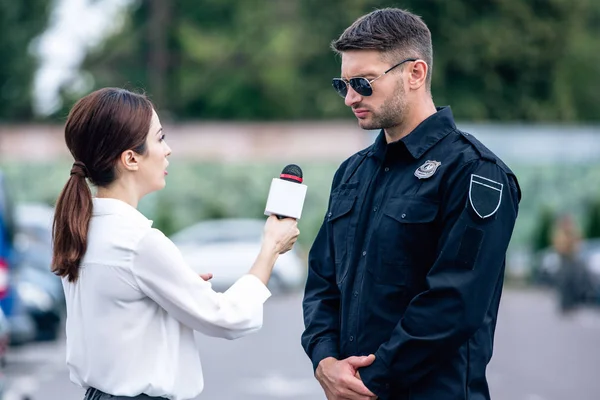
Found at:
<point>243,88</point>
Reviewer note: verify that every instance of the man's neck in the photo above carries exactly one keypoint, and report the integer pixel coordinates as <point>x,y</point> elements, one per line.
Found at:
<point>418,113</point>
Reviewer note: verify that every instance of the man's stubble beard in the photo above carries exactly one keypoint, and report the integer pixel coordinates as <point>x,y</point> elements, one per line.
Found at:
<point>391,114</point>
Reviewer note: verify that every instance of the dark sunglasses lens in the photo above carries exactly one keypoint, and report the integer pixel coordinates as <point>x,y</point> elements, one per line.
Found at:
<point>361,86</point>
<point>340,86</point>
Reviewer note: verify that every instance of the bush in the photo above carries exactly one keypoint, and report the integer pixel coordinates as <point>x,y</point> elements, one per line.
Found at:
<point>195,192</point>
<point>593,220</point>
<point>543,231</point>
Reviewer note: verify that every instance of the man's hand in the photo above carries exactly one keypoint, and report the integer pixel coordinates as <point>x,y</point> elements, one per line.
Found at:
<point>339,378</point>
<point>358,377</point>
<point>208,276</point>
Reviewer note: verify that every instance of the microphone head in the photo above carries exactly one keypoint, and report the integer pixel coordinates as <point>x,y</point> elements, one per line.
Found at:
<point>292,173</point>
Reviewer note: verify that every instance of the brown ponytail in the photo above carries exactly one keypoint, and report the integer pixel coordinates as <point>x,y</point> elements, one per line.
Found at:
<point>71,223</point>
<point>100,127</point>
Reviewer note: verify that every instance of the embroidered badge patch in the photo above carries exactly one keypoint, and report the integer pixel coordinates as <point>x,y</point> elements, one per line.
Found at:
<point>485,196</point>
<point>427,170</point>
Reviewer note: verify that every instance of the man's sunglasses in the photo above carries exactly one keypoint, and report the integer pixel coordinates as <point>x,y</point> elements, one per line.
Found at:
<point>361,86</point>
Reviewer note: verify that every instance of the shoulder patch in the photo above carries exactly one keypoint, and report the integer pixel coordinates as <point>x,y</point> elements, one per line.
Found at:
<point>485,196</point>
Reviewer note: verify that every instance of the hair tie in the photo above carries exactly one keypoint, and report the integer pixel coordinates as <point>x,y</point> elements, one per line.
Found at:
<point>79,169</point>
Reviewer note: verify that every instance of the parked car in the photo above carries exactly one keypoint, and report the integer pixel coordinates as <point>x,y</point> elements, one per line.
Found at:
<point>20,323</point>
<point>228,247</point>
<point>40,290</point>
<point>4,341</point>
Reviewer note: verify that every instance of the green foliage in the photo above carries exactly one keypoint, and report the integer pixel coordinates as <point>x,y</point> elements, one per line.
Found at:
<point>20,22</point>
<point>593,220</point>
<point>542,234</point>
<point>194,192</point>
<point>199,191</point>
<point>529,60</point>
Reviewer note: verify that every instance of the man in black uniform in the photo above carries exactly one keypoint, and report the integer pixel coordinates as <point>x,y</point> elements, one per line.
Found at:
<point>406,273</point>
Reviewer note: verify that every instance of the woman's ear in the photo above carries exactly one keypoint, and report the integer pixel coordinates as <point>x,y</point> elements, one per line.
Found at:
<point>130,160</point>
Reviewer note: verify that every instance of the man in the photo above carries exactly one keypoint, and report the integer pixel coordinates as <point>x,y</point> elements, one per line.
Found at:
<point>406,272</point>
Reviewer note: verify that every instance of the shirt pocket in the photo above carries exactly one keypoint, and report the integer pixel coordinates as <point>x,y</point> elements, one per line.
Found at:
<point>339,217</point>
<point>406,239</point>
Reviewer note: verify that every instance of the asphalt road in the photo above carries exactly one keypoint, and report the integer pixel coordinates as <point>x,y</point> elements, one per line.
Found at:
<point>539,355</point>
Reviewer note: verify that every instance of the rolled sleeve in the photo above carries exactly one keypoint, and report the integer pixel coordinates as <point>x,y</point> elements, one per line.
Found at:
<point>163,275</point>
<point>249,286</point>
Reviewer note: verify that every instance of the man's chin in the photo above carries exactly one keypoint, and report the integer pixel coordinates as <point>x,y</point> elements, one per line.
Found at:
<point>367,125</point>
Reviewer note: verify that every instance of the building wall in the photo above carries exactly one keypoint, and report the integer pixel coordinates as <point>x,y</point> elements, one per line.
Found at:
<point>320,141</point>
<point>227,142</point>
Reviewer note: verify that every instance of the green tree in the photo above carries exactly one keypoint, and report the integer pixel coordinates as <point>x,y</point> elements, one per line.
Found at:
<point>542,234</point>
<point>20,22</point>
<point>529,60</point>
<point>593,221</point>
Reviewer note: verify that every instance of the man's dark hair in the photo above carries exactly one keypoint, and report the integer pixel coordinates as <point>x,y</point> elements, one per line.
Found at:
<point>397,33</point>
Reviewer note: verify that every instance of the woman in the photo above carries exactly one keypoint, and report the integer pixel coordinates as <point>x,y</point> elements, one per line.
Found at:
<point>132,302</point>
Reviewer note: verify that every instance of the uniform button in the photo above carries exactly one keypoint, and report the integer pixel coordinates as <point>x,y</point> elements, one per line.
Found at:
<point>356,293</point>
<point>351,338</point>
<point>403,215</point>
<point>375,209</point>
<point>329,215</point>
<point>364,253</point>
<point>386,169</point>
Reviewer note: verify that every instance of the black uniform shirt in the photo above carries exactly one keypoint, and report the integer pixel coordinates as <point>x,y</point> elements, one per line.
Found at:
<point>408,264</point>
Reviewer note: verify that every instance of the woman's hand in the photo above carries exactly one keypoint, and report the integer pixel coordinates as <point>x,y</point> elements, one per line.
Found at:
<point>280,234</point>
<point>208,276</point>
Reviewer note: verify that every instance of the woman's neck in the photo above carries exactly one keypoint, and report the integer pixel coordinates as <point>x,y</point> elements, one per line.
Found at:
<point>125,193</point>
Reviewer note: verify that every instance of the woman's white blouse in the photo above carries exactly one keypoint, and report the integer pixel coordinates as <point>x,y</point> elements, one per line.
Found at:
<point>132,312</point>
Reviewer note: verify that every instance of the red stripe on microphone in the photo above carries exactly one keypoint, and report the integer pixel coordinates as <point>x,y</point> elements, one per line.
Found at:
<point>294,177</point>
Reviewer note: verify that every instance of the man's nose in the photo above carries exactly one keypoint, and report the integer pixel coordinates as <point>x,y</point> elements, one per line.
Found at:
<point>352,97</point>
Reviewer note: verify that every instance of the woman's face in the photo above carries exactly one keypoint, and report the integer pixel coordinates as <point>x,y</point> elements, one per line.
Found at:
<point>153,165</point>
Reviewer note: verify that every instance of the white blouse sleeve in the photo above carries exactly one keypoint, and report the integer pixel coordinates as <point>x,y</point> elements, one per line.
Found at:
<point>163,276</point>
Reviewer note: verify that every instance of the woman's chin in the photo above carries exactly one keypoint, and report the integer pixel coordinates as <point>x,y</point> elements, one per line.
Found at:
<point>156,187</point>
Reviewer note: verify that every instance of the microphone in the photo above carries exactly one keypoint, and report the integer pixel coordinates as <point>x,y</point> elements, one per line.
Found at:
<point>287,194</point>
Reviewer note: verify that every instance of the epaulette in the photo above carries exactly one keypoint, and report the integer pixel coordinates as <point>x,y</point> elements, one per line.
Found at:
<point>483,151</point>
<point>487,154</point>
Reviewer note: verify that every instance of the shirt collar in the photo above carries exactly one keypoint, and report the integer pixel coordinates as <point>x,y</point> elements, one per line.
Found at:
<point>421,139</point>
<point>108,206</point>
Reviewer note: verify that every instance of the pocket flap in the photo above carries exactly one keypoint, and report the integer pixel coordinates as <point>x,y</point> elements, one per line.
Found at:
<point>340,206</point>
<point>411,210</point>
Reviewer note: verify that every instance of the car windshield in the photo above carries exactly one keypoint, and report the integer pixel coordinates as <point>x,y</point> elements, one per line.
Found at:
<point>220,231</point>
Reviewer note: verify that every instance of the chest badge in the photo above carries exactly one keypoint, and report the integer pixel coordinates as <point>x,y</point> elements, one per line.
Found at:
<point>427,170</point>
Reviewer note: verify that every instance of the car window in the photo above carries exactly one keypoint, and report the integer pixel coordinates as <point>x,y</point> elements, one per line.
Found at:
<point>36,256</point>
<point>213,232</point>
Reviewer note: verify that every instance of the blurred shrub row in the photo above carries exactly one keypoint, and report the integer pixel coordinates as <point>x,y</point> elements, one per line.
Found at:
<point>197,191</point>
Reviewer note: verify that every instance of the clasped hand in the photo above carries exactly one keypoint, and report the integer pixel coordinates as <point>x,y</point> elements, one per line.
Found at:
<point>340,379</point>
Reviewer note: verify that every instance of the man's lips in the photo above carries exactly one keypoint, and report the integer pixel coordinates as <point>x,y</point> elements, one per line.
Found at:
<point>360,112</point>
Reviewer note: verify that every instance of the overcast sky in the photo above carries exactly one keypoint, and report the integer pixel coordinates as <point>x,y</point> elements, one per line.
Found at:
<point>75,26</point>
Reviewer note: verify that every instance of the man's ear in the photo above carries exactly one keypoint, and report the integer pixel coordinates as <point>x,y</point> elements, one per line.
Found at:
<point>418,74</point>
<point>130,160</point>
